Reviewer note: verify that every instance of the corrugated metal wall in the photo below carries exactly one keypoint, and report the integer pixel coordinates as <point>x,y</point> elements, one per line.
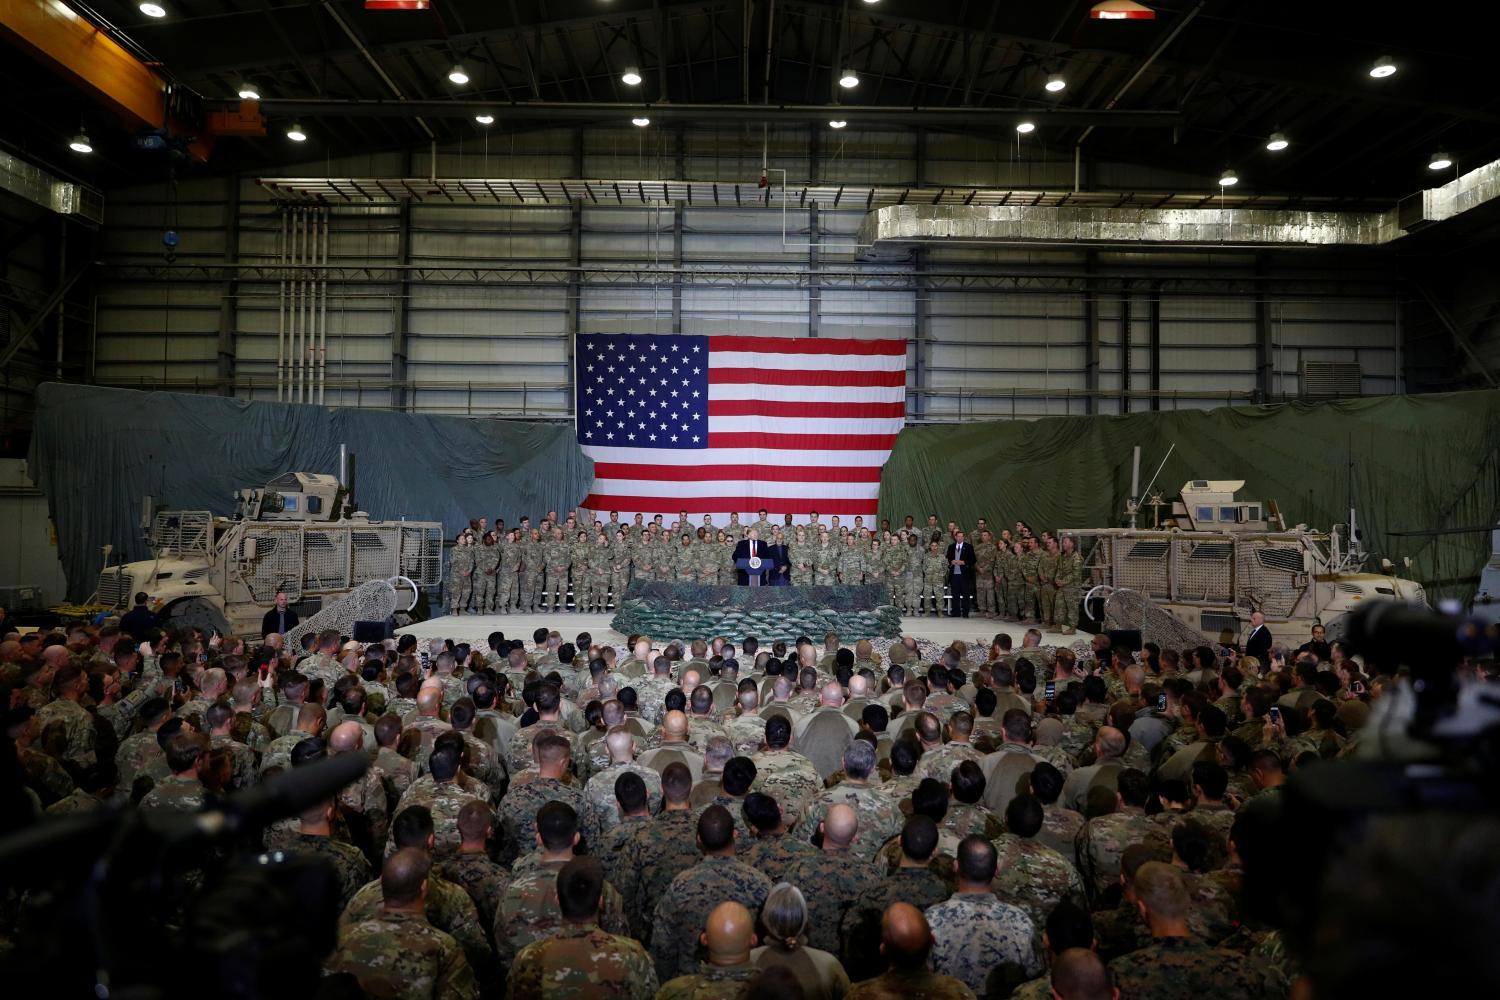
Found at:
<point>995,332</point>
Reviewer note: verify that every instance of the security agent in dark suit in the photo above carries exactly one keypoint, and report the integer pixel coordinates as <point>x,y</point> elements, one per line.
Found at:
<point>961,575</point>
<point>781,573</point>
<point>751,547</point>
<point>280,619</point>
<point>1258,641</point>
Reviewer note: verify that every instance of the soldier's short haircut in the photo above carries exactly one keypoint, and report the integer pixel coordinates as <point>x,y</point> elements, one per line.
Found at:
<point>876,717</point>
<point>412,826</point>
<point>985,702</point>
<point>675,700</point>
<point>548,699</point>
<point>807,678</point>
<point>580,883</point>
<point>844,658</point>
<point>407,685</point>
<point>1017,724</point>
<point>739,775</point>
<point>151,710</point>
<point>402,876</point>
<point>218,714</point>
<point>1066,702</point>
<point>1196,845</point>
<point>308,751</point>
<point>1160,887</point>
<point>474,818</point>
<point>703,700</point>
<point>778,732</point>
<point>967,780</point>
<point>630,792</point>
<point>676,782</point>
<point>446,757</point>
<point>183,749</point>
<point>1134,787</point>
<point>169,729</point>
<point>919,838</point>
<point>977,859</point>
<point>461,715</point>
<point>1079,974</point>
<point>905,753</point>
<point>762,812</point>
<point>859,760</point>
<point>566,652</point>
<point>1069,926</point>
<point>1023,817</point>
<point>556,824</point>
<point>539,636</point>
<point>715,828</point>
<point>927,728</point>
<point>1098,801</point>
<point>552,749</point>
<point>1213,721</point>
<point>1211,778</point>
<point>1046,782</point>
<point>930,799</point>
<point>387,730</point>
<point>627,697</point>
<point>915,693</point>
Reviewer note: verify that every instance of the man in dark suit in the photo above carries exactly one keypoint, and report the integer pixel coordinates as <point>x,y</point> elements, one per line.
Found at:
<point>139,620</point>
<point>280,619</point>
<point>960,575</point>
<point>1258,641</point>
<point>751,547</point>
<point>781,572</point>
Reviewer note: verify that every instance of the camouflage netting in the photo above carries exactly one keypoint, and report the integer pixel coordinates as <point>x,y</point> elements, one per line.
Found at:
<point>369,602</point>
<point>1127,609</point>
<point>694,611</point>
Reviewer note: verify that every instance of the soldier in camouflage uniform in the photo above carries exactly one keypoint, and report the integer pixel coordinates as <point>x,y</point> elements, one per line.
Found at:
<point>1030,582</point>
<point>907,942</point>
<point>1032,875</point>
<point>912,882</point>
<point>800,556</point>
<point>1101,841</point>
<point>825,561</point>
<point>522,803</point>
<point>531,596</point>
<point>460,574</point>
<point>70,685</point>
<point>486,565</point>
<point>395,952</point>
<point>1069,585</point>
<point>985,555</point>
<point>578,562</point>
<point>933,566</point>
<point>182,791</point>
<point>315,838</point>
<point>852,562</point>
<point>582,960</point>
<point>784,774</point>
<point>554,573</point>
<point>832,878</point>
<point>507,577</point>
<point>1046,571</point>
<point>601,808</point>
<point>1010,582</point>
<point>990,945</point>
<point>620,557</point>
<point>596,576</point>
<point>879,816</point>
<point>472,869</point>
<point>728,972</point>
<point>659,850</point>
<point>892,568</point>
<point>683,911</point>
<point>914,552</point>
<point>440,793</point>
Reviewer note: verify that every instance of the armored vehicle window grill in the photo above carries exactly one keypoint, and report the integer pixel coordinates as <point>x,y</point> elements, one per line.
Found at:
<point>182,532</point>
<point>1202,571</point>
<point>1146,576</point>
<point>1269,572</point>
<point>374,555</point>
<point>1351,588</point>
<point>277,563</point>
<point>1218,621</point>
<point>422,555</point>
<point>325,562</point>
<point>1287,560</point>
<point>1217,551</point>
<point>1147,550</point>
<point>286,482</point>
<point>114,588</point>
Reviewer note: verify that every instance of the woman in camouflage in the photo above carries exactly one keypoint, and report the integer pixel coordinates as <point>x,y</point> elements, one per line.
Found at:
<point>620,558</point>
<point>460,573</point>
<point>724,560</point>
<point>531,572</point>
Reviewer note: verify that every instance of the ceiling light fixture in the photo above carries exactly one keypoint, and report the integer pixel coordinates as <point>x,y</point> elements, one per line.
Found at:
<point>80,143</point>
<point>1277,142</point>
<point>295,133</point>
<point>1025,127</point>
<point>1121,10</point>
<point>153,10</point>
<point>849,79</point>
<point>640,122</point>
<point>1440,161</point>
<point>249,91</point>
<point>1228,179</point>
<point>458,76</point>
<point>631,77</point>
<point>485,119</point>
<point>1056,83</point>
<point>1384,66</point>
<point>837,123</point>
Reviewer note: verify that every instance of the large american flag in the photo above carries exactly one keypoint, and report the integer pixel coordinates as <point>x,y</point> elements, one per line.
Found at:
<point>729,424</point>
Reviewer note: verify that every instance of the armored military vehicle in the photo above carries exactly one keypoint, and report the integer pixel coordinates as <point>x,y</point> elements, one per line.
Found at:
<point>299,534</point>
<point>1215,559</point>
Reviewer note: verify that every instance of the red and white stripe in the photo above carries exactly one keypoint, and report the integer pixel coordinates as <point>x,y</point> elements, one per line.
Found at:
<point>794,426</point>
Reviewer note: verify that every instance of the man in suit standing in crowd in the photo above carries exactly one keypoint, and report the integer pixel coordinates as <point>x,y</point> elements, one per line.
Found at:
<point>961,575</point>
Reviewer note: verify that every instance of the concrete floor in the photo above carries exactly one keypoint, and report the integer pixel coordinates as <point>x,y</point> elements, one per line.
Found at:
<point>475,629</point>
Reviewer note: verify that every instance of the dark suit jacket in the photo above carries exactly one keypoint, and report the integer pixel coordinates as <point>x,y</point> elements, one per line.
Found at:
<point>968,557</point>
<point>1258,644</point>
<point>271,622</point>
<point>762,549</point>
<point>783,563</point>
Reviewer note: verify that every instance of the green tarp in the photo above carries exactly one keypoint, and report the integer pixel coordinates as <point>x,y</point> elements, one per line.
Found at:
<point>1419,463</point>
<point>96,452</point>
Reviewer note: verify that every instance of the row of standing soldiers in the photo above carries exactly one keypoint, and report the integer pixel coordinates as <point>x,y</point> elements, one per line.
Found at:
<point>530,570</point>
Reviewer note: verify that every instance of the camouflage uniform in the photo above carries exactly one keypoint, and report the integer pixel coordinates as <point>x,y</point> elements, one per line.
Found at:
<point>177,794</point>
<point>892,570</point>
<point>477,874</point>
<point>1030,583</point>
<point>1008,568</point>
<point>619,571</point>
<point>708,562</point>
<point>979,939</point>
<point>242,774</point>
<point>402,957</point>
<point>776,854</point>
<point>915,555</point>
<point>1070,572</point>
<point>350,865</point>
<point>940,763</point>
<point>643,560</point>
<point>507,575</point>
<point>448,908</point>
<point>916,984</point>
<point>681,913</point>
<point>880,818</point>
<point>554,555</point>
<point>1060,826</point>
<point>747,733</point>
<point>78,724</point>
<point>963,820</point>
<point>76,801</point>
<point>519,808</point>
<point>486,566</point>
<point>519,758</point>
<point>984,577</point>
<point>583,961</point>
<point>831,881</point>
<point>711,982</point>
<point>602,811</point>
<point>1035,877</point>
<point>933,566</point>
<point>444,802</point>
<point>825,560</point>
<point>460,578</point>
<point>736,809</point>
<point>529,595</point>
<point>1046,569</point>
<point>654,856</point>
<point>1102,840</point>
<point>859,931</point>
<point>528,911</point>
<point>789,778</point>
<point>45,775</point>
<point>853,565</point>
<point>396,772</point>
<point>1182,968</point>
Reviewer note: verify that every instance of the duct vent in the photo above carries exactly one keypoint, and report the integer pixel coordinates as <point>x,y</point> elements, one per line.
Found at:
<point>1330,379</point>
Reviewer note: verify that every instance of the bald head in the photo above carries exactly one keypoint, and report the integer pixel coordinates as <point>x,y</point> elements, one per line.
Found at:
<point>859,686</point>
<point>55,656</point>
<point>403,879</point>
<point>832,695</point>
<point>674,725</point>
<point>729,934</point>
<point>1111,742</point>
<point>839,827</point>
<point>430,700</point>
<point>1078,974</point>
<point>621,746</point>
<point>346,737</point>
<point>213,683</point>
<point>905,938</point>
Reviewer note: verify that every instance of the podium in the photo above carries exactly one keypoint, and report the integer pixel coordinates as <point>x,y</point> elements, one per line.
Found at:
<point>753,573</point>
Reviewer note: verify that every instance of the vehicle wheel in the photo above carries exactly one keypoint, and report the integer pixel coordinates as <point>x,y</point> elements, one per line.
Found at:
<point>195,612</point>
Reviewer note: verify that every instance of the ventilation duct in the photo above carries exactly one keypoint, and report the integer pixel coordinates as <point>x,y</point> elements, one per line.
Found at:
<point>31,182</point>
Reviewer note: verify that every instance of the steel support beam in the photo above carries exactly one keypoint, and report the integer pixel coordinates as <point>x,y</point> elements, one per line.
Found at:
<point>1459,337</point>
<point>229,301</point>
<point>573,306</point>
<point>1125,350</point>
<point>1155,321</point>
<point>1091,332</point>
<point>401,311</point>
<point>1265,350</point>
<point>814,285</point>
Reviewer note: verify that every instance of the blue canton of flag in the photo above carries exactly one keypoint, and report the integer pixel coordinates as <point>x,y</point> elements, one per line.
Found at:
<point>642,390</point>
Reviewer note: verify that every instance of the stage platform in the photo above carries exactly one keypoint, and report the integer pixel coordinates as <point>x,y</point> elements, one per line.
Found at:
<point>475,629</point>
